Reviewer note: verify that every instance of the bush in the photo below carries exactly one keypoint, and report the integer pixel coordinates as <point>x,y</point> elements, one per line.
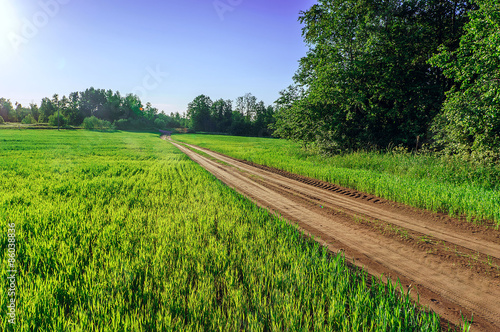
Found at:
<point>160,123</point>
<point>122,124</point>
<point>53,120</point>
<point>134,124</point>
<point>1,120</point>
<point>93,123</point>
<point>29,119</point>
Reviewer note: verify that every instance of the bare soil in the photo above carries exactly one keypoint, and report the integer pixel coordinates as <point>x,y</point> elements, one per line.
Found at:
<point>450,265</point>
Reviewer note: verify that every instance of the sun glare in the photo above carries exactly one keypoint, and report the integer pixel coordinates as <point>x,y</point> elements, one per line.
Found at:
<point>7,18</point>
<point>8,26</point>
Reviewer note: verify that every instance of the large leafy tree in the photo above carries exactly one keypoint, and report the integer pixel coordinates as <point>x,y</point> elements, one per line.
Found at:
<point>247,106</point>
<point>6,109</point>
<point>199,113</point>
<point>48,107</point>
<point>221,112</point>
<point>365,80</point>
<point>470,121</point>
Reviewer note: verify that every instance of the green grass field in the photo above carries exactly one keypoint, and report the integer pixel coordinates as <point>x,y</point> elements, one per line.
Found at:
<point>437,184</point>
<point>122,232</point>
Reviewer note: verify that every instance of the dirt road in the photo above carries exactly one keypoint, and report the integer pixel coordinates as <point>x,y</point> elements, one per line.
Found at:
<point>452,265</point>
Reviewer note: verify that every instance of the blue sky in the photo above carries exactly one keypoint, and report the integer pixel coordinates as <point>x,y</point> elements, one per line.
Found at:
<point>167,52</point>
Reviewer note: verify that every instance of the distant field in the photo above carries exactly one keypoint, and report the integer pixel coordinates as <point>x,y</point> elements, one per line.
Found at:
<point>121,231</point>
<point>423,181</point>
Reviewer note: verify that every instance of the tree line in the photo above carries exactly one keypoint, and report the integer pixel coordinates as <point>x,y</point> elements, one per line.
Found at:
<point>400,72</point>
<point>248,118</point>
<point>98,108</point>
<point>123,112</point>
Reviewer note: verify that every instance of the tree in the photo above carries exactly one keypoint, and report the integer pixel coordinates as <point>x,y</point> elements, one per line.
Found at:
<point>91,102</point>
<point>132,107</point>
<point>6,108</point>
<point>365,81</point>
<point>470,120</point>
<point>28,119</point>
<point>150,112</point>
<point>71,111</point>
<point>239,125</point>
<point>114,109</point>
<point>221,113</point>
<point>246,105</point>
<point>264,120</point>
<point>57,120</point>
<point>21,112</point>
<point>47,108</point>
<point>34,111</point>
<point>199,113</point>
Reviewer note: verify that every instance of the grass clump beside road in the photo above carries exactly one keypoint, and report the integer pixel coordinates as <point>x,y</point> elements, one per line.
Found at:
<point>435,183</point>
<point>121,231</point>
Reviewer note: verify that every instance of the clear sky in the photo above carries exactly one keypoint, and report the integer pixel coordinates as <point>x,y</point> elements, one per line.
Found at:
<point>166,51</point>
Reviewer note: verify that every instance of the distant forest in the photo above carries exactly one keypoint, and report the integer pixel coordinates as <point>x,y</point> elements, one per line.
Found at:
<point>378,74</point>
<point>121,112</point>
<point>104,109</point>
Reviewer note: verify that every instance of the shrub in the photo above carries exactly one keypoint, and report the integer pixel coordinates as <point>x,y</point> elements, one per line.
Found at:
<point>122,124</point>
<point>160,123</point>
<point>1,120</point>
<point>53,120</point>
<point>93,123</point>
<point>29,119</point>
<point>135,124</point>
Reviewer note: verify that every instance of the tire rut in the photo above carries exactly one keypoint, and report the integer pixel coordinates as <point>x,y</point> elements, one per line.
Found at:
<point>464,289</point>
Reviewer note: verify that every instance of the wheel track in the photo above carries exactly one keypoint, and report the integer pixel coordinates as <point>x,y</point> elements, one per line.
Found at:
<point>386,252</point>
<point>439,232</point>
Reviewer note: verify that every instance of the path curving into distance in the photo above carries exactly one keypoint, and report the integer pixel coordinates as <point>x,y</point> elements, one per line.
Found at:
<point>438,258</point>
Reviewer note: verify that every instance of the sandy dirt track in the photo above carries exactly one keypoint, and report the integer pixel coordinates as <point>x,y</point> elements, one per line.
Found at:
<point>452,265</point>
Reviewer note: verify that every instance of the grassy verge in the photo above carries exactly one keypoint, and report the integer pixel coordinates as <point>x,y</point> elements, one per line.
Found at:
<point>423,181</point>
<point>120,231</point>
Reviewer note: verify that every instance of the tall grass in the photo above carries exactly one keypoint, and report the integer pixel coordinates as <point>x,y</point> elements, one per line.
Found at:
<point>424,181</point>
<point>122,232</point>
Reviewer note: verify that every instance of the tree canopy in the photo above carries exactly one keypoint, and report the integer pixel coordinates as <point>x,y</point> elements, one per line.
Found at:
<point>470,121</point>
<point>366,81</point>
<point>126,112</point>
<point>250,117</point>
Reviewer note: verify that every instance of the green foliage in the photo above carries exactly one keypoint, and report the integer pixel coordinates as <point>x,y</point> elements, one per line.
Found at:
<point>470,120</point>
<point>221,112</point>
<point>55,121</point>
<point>199,113</point>
<point>446,184</point>
<point>250,118</point>
<point>121,231</point>
<point>160,123</point>
<point>48,107</point>
<point>105,105</point>
<point>93,123</point>
<point>365,81</point>
<point>28,119</point>
<point>2,121</point>
<point>6,109</point>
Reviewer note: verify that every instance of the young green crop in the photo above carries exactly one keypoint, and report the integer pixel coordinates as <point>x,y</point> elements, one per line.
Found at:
<point>121,231</point>
<point>423,181</point>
